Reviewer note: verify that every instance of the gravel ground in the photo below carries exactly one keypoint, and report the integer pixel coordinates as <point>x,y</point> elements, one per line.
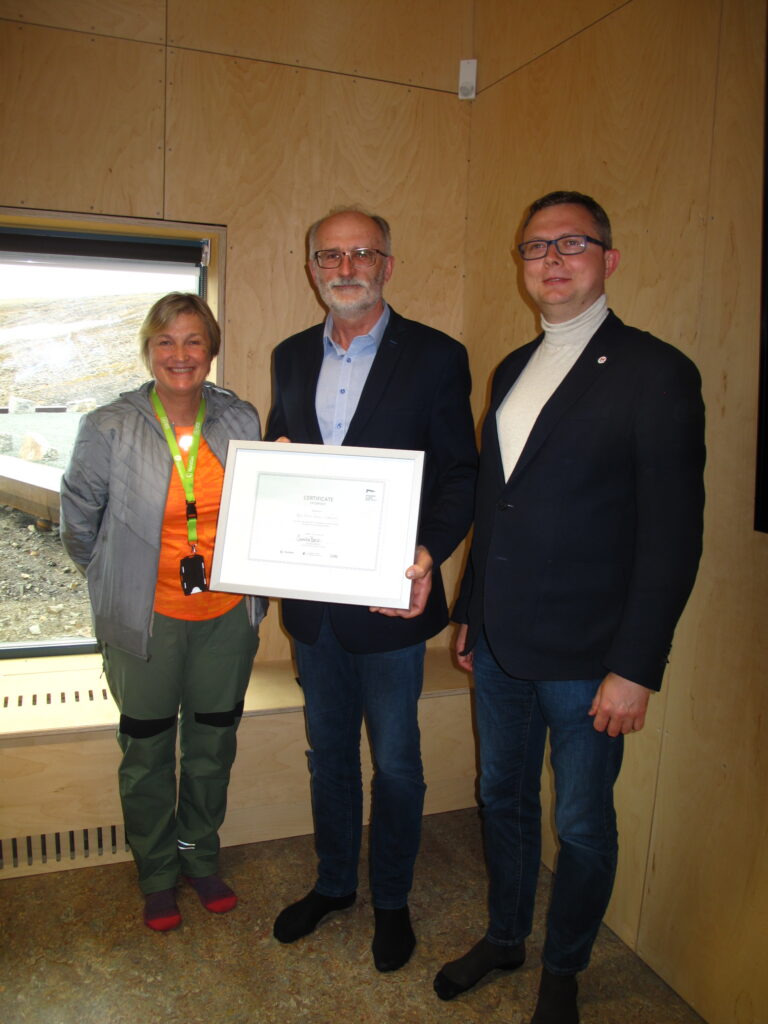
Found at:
<point>53,353</point>
<point>42,595</point>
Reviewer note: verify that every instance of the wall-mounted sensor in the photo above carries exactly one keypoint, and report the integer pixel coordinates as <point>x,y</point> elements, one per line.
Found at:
<point>467,79</point>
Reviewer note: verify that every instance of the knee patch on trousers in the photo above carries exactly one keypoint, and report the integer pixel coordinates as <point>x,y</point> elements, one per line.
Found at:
<point>222,719</point>
<point>144,728</point>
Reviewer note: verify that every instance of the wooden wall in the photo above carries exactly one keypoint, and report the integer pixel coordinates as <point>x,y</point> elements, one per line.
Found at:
<point>261,116</point>
<point>509,35</point>
<point>656,108</point>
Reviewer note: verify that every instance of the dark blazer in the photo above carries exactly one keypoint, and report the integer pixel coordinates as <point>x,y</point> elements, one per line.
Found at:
<point>583,560</point>
<point>416,397</point>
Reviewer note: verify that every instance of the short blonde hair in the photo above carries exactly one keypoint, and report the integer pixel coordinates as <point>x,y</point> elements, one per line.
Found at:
<point>165,311</point>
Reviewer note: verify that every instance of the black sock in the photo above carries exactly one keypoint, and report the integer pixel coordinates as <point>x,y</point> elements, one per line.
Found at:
<point>557,999</point>
<point>459,975</point>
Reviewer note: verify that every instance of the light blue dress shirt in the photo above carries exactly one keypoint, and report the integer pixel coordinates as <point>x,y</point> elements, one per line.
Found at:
<point>342,377</point>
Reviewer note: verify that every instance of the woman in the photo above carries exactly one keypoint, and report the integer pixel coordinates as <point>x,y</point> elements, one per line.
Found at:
<point>139,507</point>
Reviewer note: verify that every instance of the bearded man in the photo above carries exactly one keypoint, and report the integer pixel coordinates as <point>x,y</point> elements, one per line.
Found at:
<point>368,377</point>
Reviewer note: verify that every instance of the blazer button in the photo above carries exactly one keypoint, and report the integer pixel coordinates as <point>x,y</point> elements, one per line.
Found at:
<point>505,506</point>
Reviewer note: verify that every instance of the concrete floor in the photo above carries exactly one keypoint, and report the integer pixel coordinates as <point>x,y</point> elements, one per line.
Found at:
<point>73,950</point>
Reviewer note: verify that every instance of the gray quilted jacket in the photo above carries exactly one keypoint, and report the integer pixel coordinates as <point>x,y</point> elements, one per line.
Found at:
<point>113,496</point>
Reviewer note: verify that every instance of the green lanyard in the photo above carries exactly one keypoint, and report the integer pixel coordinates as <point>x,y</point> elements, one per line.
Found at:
<point>186,473</point>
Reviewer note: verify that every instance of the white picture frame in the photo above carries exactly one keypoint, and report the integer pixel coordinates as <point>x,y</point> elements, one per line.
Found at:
<point>318,522</point>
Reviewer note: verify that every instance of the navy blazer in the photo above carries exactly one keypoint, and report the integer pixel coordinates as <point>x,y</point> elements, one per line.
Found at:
<point>582,561</point>
<point>416,397</point>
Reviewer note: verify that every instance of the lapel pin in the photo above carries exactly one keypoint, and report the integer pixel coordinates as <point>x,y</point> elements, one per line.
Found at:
<point>602,359</point>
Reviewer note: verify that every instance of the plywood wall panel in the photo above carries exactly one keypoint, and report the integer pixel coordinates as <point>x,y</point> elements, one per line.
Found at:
<point>142,20</point>
<point>510,33</point>
<point>267,149</point>
<point>292,145</point>
<point>390,40</point>
<point>705,919</point>
<point>613,130</point>
<point>81,122</point>
<point>588,115</point>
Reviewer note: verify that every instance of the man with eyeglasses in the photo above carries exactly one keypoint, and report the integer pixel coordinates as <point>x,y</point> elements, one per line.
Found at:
<point>587,537</point>
<point>368,377</point>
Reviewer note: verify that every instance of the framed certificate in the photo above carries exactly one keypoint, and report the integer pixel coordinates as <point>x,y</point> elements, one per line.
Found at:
<point>318,522</point>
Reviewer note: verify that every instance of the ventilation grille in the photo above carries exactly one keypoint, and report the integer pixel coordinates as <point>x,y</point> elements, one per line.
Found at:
<point>57,851</point>
<point>30,705</point>
<point>32,700</point>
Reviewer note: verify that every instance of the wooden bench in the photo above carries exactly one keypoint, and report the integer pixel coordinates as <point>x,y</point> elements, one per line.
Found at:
<point>30,486</point>
<point>59,758</point>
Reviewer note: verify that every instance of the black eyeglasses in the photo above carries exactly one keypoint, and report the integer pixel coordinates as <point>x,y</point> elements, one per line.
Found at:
<point>566,245</point>
<point>330,259</point>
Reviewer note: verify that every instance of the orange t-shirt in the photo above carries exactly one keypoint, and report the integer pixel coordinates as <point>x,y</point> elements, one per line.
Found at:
<point>170,599</point>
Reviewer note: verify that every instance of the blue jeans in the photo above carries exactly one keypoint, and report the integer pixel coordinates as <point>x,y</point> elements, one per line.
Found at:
<point>513,716</point>
<point>340,690</point>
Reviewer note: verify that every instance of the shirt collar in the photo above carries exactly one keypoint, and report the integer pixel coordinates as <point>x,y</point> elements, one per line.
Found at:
<point>373,337</point>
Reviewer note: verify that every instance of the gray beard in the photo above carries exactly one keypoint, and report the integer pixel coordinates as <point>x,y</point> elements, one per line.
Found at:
<point>368,298</point>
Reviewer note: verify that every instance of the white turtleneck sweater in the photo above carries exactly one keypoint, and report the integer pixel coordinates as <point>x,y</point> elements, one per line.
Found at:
<point>543,373</point>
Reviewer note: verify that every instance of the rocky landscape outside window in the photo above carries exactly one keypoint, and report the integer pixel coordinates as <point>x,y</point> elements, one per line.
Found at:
<point>68,343</point>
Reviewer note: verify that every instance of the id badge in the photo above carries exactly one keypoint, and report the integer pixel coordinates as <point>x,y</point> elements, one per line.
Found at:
<point>192,572</point>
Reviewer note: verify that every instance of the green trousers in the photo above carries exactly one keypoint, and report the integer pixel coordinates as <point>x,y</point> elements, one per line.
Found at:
<point>195,681</point>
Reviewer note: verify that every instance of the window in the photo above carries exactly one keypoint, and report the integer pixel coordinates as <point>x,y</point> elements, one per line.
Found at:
<point>71,304</point>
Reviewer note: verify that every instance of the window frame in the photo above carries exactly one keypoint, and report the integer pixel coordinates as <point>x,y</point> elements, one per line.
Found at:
<point>140,236</point>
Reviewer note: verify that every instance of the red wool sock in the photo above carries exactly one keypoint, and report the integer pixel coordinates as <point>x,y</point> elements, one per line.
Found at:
<point>214,894</point>
<point>161,913</point>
